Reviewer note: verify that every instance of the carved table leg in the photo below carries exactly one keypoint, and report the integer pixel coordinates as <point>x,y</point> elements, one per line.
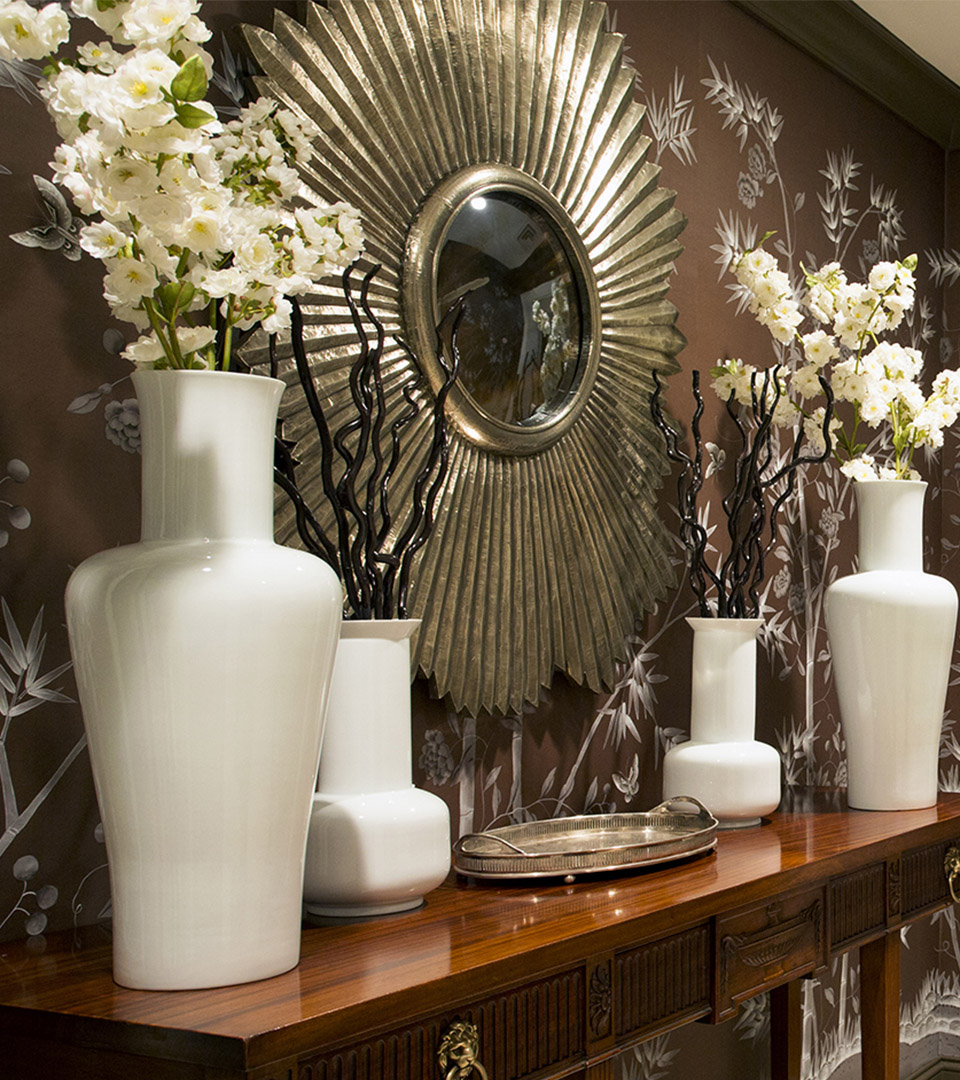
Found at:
<point>786,1031</point>
<point>880,1007</point>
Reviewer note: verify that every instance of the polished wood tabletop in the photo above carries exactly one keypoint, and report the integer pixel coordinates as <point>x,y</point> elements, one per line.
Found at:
<point>469,939</point>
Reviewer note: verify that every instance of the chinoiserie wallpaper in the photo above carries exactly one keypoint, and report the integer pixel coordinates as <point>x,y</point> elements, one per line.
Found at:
<point>754,136</point>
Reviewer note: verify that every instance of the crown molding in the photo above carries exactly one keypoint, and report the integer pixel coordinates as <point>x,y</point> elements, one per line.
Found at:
<point>844,38</point>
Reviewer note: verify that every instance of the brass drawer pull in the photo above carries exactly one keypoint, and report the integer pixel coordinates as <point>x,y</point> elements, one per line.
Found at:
<point>951,867</point>
<point>458,1050</point>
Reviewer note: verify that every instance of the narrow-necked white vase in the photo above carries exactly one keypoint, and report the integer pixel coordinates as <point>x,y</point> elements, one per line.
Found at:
<point>736,777</point>
<point>203,655</point>
<point>891,629</point>
<point>377,844</point>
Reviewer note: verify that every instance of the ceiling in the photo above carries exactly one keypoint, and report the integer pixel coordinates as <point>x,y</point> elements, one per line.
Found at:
<point>930,27</point>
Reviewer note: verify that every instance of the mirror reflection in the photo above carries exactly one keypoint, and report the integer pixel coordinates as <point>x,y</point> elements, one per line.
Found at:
<point>520,338</point>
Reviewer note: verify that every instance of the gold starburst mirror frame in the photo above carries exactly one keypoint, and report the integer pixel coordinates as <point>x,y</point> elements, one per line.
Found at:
<point>495,151</point>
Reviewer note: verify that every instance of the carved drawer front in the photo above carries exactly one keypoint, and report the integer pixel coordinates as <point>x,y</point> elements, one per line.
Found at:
<point>765,946</point>
<point>519,1032</point>
<point>923,883</point>
<point>663,982</point>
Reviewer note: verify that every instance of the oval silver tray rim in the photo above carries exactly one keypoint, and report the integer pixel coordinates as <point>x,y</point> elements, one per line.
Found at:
<point>576,871</point>
<point>689,834</point>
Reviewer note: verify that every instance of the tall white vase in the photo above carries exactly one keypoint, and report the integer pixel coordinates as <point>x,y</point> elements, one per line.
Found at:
<point>891,629</point>
<point>203,655</point>
<point>733,775</point>
<point>376,843</point>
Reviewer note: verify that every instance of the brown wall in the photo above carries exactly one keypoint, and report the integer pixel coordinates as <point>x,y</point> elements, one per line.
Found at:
<point>575,750</point>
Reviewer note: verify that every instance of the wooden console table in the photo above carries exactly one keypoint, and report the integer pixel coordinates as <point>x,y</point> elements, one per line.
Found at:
<point>556,979</point>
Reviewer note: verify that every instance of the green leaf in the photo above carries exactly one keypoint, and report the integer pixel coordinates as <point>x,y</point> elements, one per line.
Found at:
<point>174,296</point>
<point>910,262</point>
<point>106,5</point>
<point>190,82</point>
<point>192,117</point>
<point>165,297</point>
<point>187,293</point>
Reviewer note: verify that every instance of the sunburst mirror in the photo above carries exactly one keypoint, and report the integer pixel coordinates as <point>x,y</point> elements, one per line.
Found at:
<point>494,149</point>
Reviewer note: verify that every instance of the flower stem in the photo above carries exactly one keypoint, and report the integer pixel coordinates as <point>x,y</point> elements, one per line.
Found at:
<point>157,324</point>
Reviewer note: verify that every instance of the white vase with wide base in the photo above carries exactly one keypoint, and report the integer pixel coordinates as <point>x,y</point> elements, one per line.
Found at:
<point>891,628</point>
<point>736,777</point>
<point>203,655</point>
<point>376,844</point>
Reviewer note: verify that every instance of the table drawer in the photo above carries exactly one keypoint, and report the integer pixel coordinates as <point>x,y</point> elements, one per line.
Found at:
<point>520,1032</point>
<point>767,945</point>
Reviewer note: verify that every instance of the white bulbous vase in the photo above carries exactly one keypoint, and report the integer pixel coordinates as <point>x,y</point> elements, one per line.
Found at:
<point>891,629</point>
<point>203,656</point>
<point>376,844</point>
<point>736,777</point>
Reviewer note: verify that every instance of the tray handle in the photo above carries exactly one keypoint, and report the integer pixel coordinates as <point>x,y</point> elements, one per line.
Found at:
<point>461,844</point>
<point>666,806</point>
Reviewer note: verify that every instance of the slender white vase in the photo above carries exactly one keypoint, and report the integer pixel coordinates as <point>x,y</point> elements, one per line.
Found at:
<point>891,629</point>
<point>733,775</point>
<point>203,656</point>
<point>376,843</point>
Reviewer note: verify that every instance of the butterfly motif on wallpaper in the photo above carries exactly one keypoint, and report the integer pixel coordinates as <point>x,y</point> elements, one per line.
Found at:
<point>60,231</point>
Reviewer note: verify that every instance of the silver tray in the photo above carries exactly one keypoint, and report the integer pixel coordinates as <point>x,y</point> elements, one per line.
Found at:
<point>588,844</point>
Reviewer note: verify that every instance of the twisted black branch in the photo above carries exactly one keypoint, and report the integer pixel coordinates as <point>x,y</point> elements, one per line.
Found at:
<point>373,548</point>
<point>421,521</point>
<point>757,481</point>
<point>689,485</point>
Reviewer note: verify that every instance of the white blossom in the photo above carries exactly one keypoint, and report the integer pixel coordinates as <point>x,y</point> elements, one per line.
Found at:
<point>733,377</point>
<point>102,239</point>
<point>128,280</point>
<point>27,33</point>
<point>879,380</point>
<point>860,468</point>
<point>806,381</point>
<point>883,276</point>
<point>156,22</point>
<point>279,317</point>
<point>202,232</point>
<point>785,413</point>
<point>142,78</point>
<point>144,351</point>
<point>100,56</point>
<point>193,338</point>
<point>819,348</point>
<point>813,429</point>
<point>179,198</point>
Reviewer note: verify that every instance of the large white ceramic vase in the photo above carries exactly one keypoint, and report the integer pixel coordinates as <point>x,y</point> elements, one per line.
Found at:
<point>203,655</point>
<point>891,629</point>
<point>736,777</point>
<point>376,844</point>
